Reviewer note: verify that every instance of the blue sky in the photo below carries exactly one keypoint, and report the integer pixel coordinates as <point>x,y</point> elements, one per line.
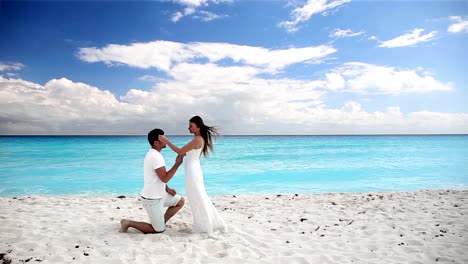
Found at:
<point>249,67</point>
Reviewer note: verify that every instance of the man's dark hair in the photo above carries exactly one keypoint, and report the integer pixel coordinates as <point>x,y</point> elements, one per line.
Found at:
<point>153,135</point>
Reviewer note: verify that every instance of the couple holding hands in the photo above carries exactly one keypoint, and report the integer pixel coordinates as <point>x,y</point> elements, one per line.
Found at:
<point>156,195</point>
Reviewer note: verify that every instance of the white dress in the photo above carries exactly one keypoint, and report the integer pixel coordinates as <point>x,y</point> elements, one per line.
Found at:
<point>206,218</point>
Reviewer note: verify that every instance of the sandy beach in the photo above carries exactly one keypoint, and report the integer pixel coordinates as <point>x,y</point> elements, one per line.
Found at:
<point>386,227</point>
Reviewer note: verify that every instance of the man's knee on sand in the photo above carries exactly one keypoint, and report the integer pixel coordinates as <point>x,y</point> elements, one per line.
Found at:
<point>181,202</point>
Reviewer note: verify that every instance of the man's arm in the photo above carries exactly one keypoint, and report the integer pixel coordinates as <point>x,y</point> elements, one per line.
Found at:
<point>166,176</point>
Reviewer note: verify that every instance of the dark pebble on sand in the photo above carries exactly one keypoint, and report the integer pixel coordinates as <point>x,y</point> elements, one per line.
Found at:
<point>296,194</point>
<point>287,242</point>
<point>86,254</point>
<point>234,196</point>
<point>333,203</point>
<point>303,219</point>
<point>322,235</point>
<point>278,195</point>
<point>77,246</point>
<point>121,196</point>
<point>118,207</point>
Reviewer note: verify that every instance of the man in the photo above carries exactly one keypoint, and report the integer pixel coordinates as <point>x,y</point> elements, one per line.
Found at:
<point>156,194</point>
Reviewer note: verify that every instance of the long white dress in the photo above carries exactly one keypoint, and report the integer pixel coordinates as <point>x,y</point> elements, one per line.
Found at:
<point>206,218</point>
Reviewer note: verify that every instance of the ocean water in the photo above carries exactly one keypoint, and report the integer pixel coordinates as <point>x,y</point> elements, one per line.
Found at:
<point>112,165</point>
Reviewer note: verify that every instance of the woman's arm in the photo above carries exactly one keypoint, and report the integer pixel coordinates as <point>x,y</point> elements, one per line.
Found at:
<point>195,143</point>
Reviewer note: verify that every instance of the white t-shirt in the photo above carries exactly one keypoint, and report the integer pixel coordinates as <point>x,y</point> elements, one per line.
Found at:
<point>153,187</point>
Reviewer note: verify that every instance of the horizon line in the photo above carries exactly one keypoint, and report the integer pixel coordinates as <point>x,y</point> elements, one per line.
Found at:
<point>233,135</point>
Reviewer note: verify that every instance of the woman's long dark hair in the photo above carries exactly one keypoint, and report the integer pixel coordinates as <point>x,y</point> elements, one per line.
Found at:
<point>206,132</point>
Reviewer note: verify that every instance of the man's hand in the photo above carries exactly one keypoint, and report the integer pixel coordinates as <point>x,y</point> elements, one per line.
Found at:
<point>170,191</point>
<point>179,159</point>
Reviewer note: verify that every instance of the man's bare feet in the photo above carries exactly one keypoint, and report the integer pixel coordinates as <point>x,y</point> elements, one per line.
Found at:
<point>123,225</point>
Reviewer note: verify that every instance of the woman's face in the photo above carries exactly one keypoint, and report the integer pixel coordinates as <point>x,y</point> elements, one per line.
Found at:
<point>193,128</point>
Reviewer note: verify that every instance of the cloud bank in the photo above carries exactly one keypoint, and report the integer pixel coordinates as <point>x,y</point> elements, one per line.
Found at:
<point>232,86</point>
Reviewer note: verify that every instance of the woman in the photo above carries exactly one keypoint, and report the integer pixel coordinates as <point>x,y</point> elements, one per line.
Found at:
<point>206,218</point>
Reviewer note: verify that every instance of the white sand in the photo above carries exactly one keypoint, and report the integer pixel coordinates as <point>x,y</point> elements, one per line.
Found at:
<point>403,227</point>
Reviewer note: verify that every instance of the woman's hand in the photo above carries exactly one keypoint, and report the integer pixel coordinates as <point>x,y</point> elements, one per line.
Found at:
<point>163,139</point>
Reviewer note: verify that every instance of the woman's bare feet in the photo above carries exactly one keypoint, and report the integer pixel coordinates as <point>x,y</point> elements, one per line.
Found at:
<point>123,225</point>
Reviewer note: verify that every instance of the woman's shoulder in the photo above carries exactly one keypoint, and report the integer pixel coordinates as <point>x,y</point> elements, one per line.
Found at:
<point>199,140</point>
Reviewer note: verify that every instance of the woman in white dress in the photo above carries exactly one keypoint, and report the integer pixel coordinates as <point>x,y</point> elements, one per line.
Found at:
<point>206,218</point>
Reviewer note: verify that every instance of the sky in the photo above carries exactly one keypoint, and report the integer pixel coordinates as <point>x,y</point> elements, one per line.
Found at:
<point>307,67</point>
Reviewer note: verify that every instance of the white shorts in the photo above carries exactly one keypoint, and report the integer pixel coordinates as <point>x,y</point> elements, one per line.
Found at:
<point>155,209</point>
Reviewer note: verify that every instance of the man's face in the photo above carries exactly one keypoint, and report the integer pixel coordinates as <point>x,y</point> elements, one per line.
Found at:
<point>161,145</point>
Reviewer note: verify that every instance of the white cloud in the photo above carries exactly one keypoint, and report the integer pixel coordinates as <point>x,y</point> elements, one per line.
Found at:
<point>179,15</point>
<point>163,55</point>
<point>195,3</point>
<point>344,33</point>
<point>375,79</point>
<point>207,16</point>
<point>158,54</point>
<point>312,7</point>
<point>460,24</point>
<point>10,66</point>
<point>192,6</point>
<point>409,39</point>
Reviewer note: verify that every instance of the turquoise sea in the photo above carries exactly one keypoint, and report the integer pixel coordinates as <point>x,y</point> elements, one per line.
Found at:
<point>112,165</point>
